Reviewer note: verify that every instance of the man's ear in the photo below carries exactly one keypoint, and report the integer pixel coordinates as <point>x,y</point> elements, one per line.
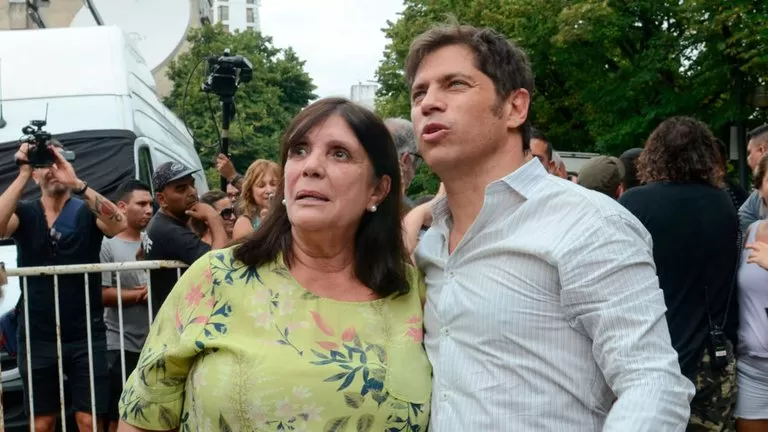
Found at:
<point>160,198</point>
<point>517,104</point>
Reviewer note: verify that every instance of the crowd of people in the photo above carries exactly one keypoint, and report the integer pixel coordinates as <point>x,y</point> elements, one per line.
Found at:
<point>629,296</point>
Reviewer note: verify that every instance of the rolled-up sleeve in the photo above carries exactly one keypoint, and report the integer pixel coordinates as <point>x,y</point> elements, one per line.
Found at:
<point>153,395</point>
<point>610,291</point>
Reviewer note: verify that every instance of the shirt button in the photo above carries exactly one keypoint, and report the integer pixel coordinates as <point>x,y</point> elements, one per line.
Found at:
<point>445,331</point>
<point>444,396</point>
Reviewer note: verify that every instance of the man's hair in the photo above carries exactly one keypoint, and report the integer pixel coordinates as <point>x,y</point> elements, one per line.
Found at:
<point>495,56</point>
<point>759,134</point>
<point>403,135</point>
<point>539,135</point>
<point>629,160</point>
<point>681,150</point>
<point>127,188</point>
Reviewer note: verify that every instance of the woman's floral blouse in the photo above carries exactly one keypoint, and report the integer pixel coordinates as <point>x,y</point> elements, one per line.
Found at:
<point>236,348</point>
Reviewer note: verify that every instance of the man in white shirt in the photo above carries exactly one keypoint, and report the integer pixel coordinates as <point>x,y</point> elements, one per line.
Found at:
<point>543,308</point>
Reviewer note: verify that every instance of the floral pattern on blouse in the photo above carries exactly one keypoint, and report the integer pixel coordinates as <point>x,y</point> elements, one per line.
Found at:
<point>235,348</point>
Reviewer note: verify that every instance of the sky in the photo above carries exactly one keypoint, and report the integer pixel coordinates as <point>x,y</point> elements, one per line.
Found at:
<point>340,40</point>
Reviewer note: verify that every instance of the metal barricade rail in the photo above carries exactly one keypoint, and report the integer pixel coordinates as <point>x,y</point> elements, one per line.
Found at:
<point>25,272</point>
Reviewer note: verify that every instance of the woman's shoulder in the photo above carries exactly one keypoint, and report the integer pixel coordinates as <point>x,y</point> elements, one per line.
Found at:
<point>416,282</point>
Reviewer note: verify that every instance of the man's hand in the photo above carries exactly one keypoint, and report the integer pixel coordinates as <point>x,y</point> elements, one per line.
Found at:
<point>22,159</point>
<point>202,211</point>
<point>63,170</point>
<point>225,167</point>
<point>140,294</point>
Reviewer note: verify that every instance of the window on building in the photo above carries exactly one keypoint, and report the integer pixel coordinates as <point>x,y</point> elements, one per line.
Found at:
<point>249,15</point>
<point>226,28</point>
<point>223,13</point>
<point>248,1</point>
<point>249,27</point>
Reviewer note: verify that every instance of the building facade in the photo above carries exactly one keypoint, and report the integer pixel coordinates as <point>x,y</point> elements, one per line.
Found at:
<point>236,15</point>
<point>364,94</point>
<point>20,15</point>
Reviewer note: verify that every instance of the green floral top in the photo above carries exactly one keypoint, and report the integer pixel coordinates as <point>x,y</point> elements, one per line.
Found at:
<point>236,348</point>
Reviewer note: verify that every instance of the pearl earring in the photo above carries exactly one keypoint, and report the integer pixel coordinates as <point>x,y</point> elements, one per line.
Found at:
<point>283,201</point>
<point>373,208</point>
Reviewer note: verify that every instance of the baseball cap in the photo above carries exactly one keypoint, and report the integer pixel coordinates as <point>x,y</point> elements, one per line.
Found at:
<point>168,172</point>
<point>603,174</point>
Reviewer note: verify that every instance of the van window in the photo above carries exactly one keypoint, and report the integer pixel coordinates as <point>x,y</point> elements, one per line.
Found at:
<point>145,166</point>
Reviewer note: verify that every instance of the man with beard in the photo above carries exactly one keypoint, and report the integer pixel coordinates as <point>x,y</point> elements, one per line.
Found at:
<point>135,202</point>
<point>168,236</point>
<point>60,229</point>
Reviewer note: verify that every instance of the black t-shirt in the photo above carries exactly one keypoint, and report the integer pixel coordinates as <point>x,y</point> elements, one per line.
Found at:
<point>79,242</point>
<point>167,238</point>
<point>694,228</point>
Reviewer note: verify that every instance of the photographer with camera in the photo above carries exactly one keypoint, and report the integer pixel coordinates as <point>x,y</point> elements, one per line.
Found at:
<point>65,225</point>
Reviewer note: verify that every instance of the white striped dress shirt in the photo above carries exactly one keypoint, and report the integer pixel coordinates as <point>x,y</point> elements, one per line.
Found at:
<point>548,310</point>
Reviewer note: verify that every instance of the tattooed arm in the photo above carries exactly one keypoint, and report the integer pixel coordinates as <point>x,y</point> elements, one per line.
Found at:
<point>109,218</point>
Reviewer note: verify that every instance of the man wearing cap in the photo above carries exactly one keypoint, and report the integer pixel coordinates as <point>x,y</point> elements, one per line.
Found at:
<point>168,237</point>
<point>603,174</point>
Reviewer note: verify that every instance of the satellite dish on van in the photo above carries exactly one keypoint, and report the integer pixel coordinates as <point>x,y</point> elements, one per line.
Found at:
<point>156,27</point>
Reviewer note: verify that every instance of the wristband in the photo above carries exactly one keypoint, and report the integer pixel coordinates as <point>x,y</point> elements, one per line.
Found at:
<point>81,191</point>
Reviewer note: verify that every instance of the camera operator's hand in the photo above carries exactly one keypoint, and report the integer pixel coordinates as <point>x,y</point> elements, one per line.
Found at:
<point>225,167</point>
<point>22,159</point>
<point>63,170</point>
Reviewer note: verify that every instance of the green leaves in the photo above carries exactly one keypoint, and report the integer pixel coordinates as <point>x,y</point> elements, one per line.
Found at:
<point>607,72</point>
<point>337,424</point>
<point>279,89</point>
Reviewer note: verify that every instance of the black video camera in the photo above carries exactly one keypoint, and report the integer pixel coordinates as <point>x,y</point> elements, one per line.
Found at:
<point>39,155</point>
<point>225,73</point>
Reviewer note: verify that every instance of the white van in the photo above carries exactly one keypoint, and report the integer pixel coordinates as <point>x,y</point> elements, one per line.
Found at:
<point>101,104</point>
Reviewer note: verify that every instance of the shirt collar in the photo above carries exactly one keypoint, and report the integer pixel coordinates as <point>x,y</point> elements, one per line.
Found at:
<point>523,180</point>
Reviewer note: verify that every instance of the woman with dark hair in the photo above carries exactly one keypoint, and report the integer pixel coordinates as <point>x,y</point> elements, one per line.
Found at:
<point>313,321</point>
<point>695,231</point>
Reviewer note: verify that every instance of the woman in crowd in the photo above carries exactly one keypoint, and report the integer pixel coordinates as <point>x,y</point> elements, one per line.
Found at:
<point>313,321</point>
<point>259,187</point>
<point>221,202</point>
<point>752,363</point>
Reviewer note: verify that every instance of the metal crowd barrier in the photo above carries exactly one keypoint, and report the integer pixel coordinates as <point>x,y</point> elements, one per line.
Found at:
<point>26,272</point>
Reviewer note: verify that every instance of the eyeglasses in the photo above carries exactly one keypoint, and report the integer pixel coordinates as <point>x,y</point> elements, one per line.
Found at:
<point>227,213</point>
<point>53,242</point>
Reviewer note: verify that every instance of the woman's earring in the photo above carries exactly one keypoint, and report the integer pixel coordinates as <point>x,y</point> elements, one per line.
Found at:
<point>373,208</point>
<point>283,201</point>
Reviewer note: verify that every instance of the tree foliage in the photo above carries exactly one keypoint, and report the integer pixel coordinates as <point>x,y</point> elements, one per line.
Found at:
<point>608,71</point>
<point>279,90</point>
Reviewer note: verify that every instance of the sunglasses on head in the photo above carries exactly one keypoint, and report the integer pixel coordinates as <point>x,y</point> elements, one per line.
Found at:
<point>227,213</point>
